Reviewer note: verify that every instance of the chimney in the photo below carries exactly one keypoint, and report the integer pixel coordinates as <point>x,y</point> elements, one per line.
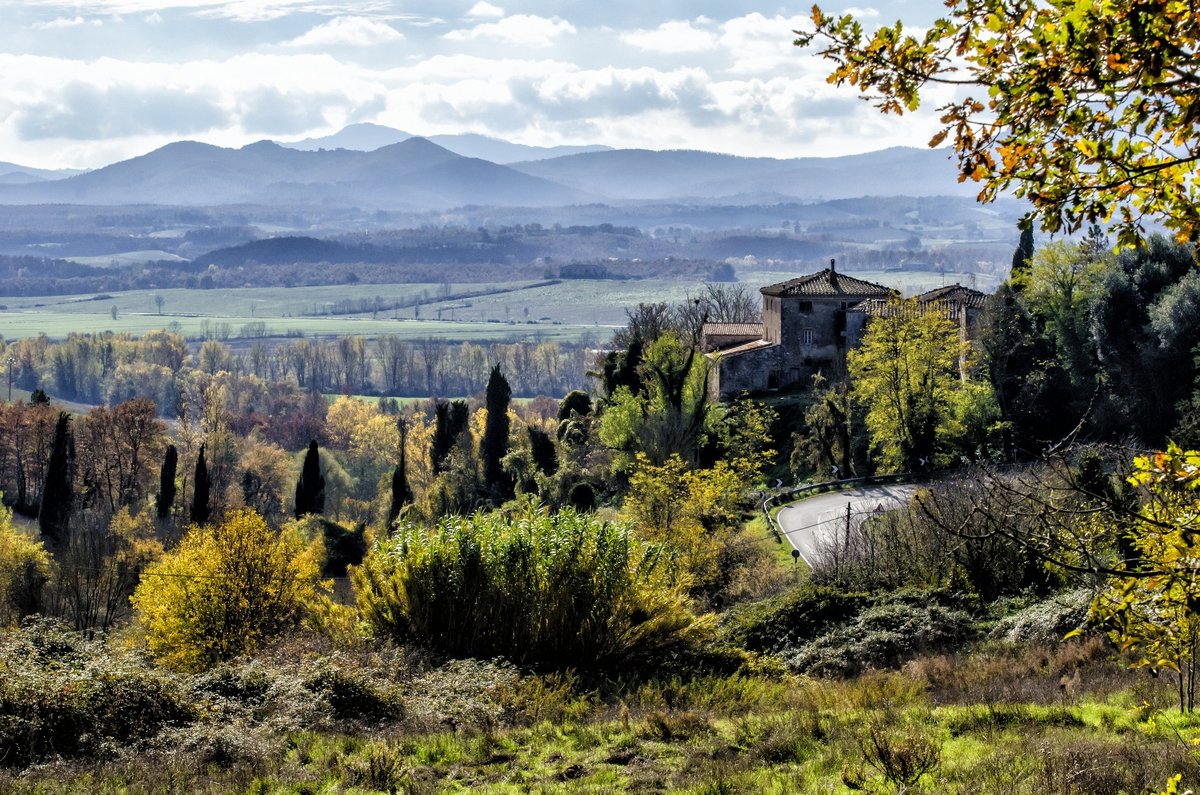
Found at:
<point>833,272</point>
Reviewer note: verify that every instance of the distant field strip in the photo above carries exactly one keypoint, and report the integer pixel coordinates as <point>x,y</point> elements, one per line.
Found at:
<point>570,309</point>
<point>57,325</point>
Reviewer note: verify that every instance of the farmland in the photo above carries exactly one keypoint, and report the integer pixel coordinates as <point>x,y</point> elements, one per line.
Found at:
<point>577,310</point>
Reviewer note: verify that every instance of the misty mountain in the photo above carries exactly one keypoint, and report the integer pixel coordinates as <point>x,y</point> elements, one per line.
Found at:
<point>368,137</point>
<point>365,137</point>
<point>412,174</point>
<point>648,175</point>
<point>13,174</point>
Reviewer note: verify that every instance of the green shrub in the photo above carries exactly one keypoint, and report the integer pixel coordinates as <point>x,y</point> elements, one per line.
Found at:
<point>792,618</point>
<point>352,697</point>
<point>61,695</point>
<point>1047,621</point>
<point>566,590</point>
<point>884,636</point>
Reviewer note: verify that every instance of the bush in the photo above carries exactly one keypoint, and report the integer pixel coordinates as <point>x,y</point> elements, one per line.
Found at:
<point>884,636</point>
<point>352,697</point>
<point>61,695</point>
<point>793,618</point>
<point>1047,621</point>
<point>565,590</point>
<point>224,590</point>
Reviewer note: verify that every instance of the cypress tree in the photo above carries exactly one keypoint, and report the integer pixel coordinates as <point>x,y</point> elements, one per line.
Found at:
<point>494,445</point>
<point>200,508</point>
<point>401,492</point>
<point>166,482</point>
<point>58,495</point>
<point>1019,274</point>
<point>541,446</point>
<point>310,488</point>
<point>450,420</point>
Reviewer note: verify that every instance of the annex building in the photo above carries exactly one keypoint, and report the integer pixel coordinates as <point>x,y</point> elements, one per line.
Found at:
<point>808,325</point>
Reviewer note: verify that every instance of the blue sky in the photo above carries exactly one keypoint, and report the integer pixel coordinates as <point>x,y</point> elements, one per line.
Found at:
<point>87,82</point>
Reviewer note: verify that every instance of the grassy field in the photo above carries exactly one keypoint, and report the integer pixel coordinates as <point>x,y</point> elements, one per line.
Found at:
<point>576,310</point>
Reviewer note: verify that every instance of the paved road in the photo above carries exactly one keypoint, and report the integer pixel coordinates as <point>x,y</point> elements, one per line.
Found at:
<point>816,522</point>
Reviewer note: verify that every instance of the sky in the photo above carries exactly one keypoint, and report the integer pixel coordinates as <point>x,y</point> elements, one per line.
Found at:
<point>84,83</point>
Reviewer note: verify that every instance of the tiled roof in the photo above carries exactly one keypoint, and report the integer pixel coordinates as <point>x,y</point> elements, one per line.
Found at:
<point>733,329</point>
<point>828,283</point>
<point>753,345</point>
<point>949,301</point>
<point>955,294</point>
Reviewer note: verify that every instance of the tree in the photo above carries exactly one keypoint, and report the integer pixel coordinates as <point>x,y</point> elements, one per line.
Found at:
<point>166,483</point>
<point>904,373</point>
<point>1019,273</point>
<point>24,568</point>
<point>401,492</point>
<point>450,420</point>
<point>201,483</point>
<point>58,495</point>
<point>310,488</point>
<point>1087,109</point>
<point>225,589</point>
<point>1152,605</point>
<point>494,445</point>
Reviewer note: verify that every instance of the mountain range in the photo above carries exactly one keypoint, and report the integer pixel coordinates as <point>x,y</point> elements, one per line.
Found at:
<point>367,137</point>
<point>419,174</point>
<point>12,174</point>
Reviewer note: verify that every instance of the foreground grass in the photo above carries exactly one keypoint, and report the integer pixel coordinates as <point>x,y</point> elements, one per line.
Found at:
<point>939,726</point>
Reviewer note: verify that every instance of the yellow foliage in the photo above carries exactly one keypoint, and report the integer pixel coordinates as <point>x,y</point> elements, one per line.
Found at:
<point>225,589</point>
<point>696,511</point>
<point>24,566</point>
<point>345,416</point>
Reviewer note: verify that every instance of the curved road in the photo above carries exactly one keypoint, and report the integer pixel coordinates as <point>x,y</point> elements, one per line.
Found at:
<point>817,522</point>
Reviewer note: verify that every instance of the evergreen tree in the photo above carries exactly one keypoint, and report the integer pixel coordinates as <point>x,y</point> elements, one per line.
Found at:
<point>401,492</point>
<point>494,445</point>
<point>310,488</point>
<point>200,507</point>
<point>1019,275</point>
<point>450,420</point>
<point>57,494</point>
<point>541,446</point>
<point>166,482</point>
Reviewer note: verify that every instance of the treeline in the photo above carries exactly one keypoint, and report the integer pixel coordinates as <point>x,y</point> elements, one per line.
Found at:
<point>111,368</point>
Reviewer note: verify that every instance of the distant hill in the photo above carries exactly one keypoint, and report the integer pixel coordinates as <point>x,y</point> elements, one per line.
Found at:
<point>420,175</point>
<point>648,175</point>
<point>13,174</point>
<point>413,174</point>
<point>363,137</point>
<point>367,137</point>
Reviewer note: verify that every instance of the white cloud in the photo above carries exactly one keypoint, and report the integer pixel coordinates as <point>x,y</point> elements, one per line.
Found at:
<point>675,36</point>
<point>240,10</point>
<point>522,30</point>
<point>760,45</point>
<point>862,13</point>
<point>350,31</point>
<point>66,22</point>
<point>153,19</point>
<point>485,10</point>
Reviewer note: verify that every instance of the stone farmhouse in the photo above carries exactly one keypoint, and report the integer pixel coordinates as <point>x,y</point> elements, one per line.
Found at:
<point>808,325</point>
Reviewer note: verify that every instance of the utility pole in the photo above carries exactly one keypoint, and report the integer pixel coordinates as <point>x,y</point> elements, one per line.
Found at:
<point>11,361</point>
<point>847,529</point>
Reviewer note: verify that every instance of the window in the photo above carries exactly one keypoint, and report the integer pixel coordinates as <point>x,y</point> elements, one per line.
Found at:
<point>807,337</point>
<point>806,306</point>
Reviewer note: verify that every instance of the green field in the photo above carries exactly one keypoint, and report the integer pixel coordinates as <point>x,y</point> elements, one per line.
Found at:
<point>573,310</point>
